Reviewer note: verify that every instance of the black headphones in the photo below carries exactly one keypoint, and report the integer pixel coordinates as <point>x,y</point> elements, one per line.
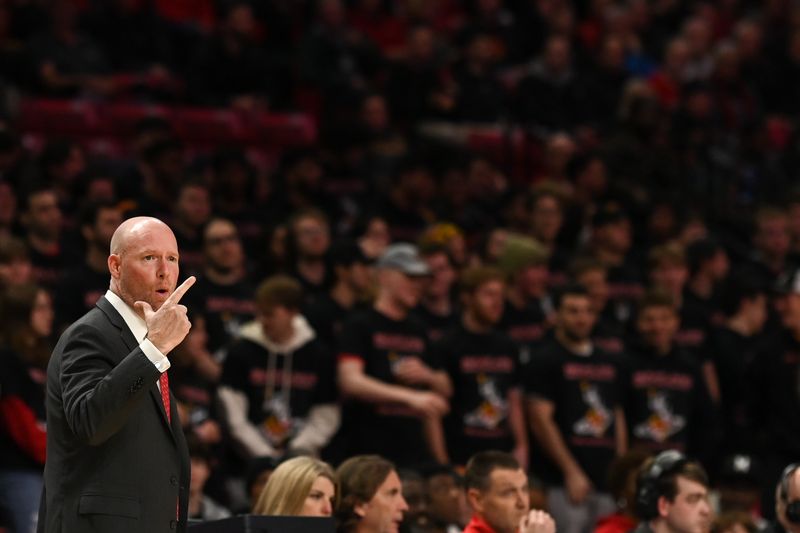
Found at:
<point>647,484</point>
<point>792,507</point>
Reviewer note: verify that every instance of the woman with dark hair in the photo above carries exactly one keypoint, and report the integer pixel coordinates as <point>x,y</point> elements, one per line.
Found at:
<point>369,496</point>
<point>27,321</point>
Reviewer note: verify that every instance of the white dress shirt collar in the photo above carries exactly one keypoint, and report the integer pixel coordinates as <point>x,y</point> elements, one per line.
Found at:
<point>132,319</point>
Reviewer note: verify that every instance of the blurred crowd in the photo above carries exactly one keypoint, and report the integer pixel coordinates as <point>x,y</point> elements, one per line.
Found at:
<point>560,229</point>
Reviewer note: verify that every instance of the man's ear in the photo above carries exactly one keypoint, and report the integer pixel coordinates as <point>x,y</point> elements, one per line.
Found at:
<point>475,499</point>
<point>663,506</point>
<point>113,265</point>
<point>360,509</point>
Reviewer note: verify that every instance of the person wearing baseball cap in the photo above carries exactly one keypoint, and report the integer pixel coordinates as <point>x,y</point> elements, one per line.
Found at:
<point>392,387</point>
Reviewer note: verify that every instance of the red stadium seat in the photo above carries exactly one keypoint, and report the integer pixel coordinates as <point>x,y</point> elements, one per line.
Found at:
<point>286,129</point>
<point>123,117</point>
<point>210,126</point>
<point>60,117</point>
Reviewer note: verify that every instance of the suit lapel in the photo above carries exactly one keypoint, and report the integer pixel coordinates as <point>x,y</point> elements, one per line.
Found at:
<point>118,322</point>
<point>130,342</point>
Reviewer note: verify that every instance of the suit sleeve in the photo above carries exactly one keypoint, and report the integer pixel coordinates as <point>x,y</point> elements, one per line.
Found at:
<point>99,393</point>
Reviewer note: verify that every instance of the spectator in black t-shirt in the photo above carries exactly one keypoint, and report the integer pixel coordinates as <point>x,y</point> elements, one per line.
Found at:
<point>396,391</point>
<point>308,240</point>
<point>550,97</point>
<point>576,393</point>
<point>708,267</point>
<point>223,295</point>
<point>437,309</point>
<point>85,283</point>
<point>608,333</point>
<point>668,405</point>
<point>352,287</point>
<point>408,205</point>
<point>610,243</point>
<point>190,214</point>
<point>669,273</point>
<point>42,219</point>
<point>735,345</point>
<point>277,391</point>
<point>525,320</point>
<point>483,365</point>
<point>194,375</point>
<point>774,398</point>
<point>413,85</point>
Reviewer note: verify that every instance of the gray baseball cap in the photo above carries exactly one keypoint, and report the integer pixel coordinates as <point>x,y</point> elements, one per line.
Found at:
<point>405,258</point>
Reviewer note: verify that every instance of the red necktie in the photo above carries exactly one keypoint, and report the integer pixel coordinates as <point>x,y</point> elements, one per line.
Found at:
<point>164,382</point>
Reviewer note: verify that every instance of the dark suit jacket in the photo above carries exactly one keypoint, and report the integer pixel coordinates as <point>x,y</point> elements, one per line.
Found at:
<point>114,464</point>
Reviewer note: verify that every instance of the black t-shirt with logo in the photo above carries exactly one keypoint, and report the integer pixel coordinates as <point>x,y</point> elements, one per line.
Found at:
<point>585,390</point>
<point>484,368</point>
<point>391,430</point>
<point>225,308</point>
<point>668,405</point>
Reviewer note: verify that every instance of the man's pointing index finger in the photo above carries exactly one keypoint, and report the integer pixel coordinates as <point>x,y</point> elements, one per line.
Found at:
<point>176,296</point>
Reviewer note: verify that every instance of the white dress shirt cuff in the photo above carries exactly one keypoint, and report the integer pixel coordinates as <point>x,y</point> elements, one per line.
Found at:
<point>155,355</point>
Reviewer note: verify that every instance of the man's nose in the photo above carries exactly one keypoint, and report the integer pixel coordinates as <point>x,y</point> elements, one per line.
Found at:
<point>521,501</point>
<point>403,504</point>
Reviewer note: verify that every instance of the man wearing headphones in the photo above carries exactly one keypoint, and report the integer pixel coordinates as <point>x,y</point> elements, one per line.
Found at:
<point>672,496</point>
<point>787,500</point>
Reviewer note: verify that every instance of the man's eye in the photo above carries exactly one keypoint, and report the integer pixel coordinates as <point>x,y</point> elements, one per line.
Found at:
<point>148,258</point>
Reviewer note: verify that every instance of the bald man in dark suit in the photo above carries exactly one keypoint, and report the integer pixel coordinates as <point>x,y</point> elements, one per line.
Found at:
<point>117,459</point>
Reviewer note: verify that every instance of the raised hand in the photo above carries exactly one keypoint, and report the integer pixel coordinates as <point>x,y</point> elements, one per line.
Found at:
<point>168,326</point>
<point>537,522</point>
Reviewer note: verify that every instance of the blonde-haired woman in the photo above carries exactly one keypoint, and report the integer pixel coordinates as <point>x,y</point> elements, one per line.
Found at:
<point>302,486</point>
